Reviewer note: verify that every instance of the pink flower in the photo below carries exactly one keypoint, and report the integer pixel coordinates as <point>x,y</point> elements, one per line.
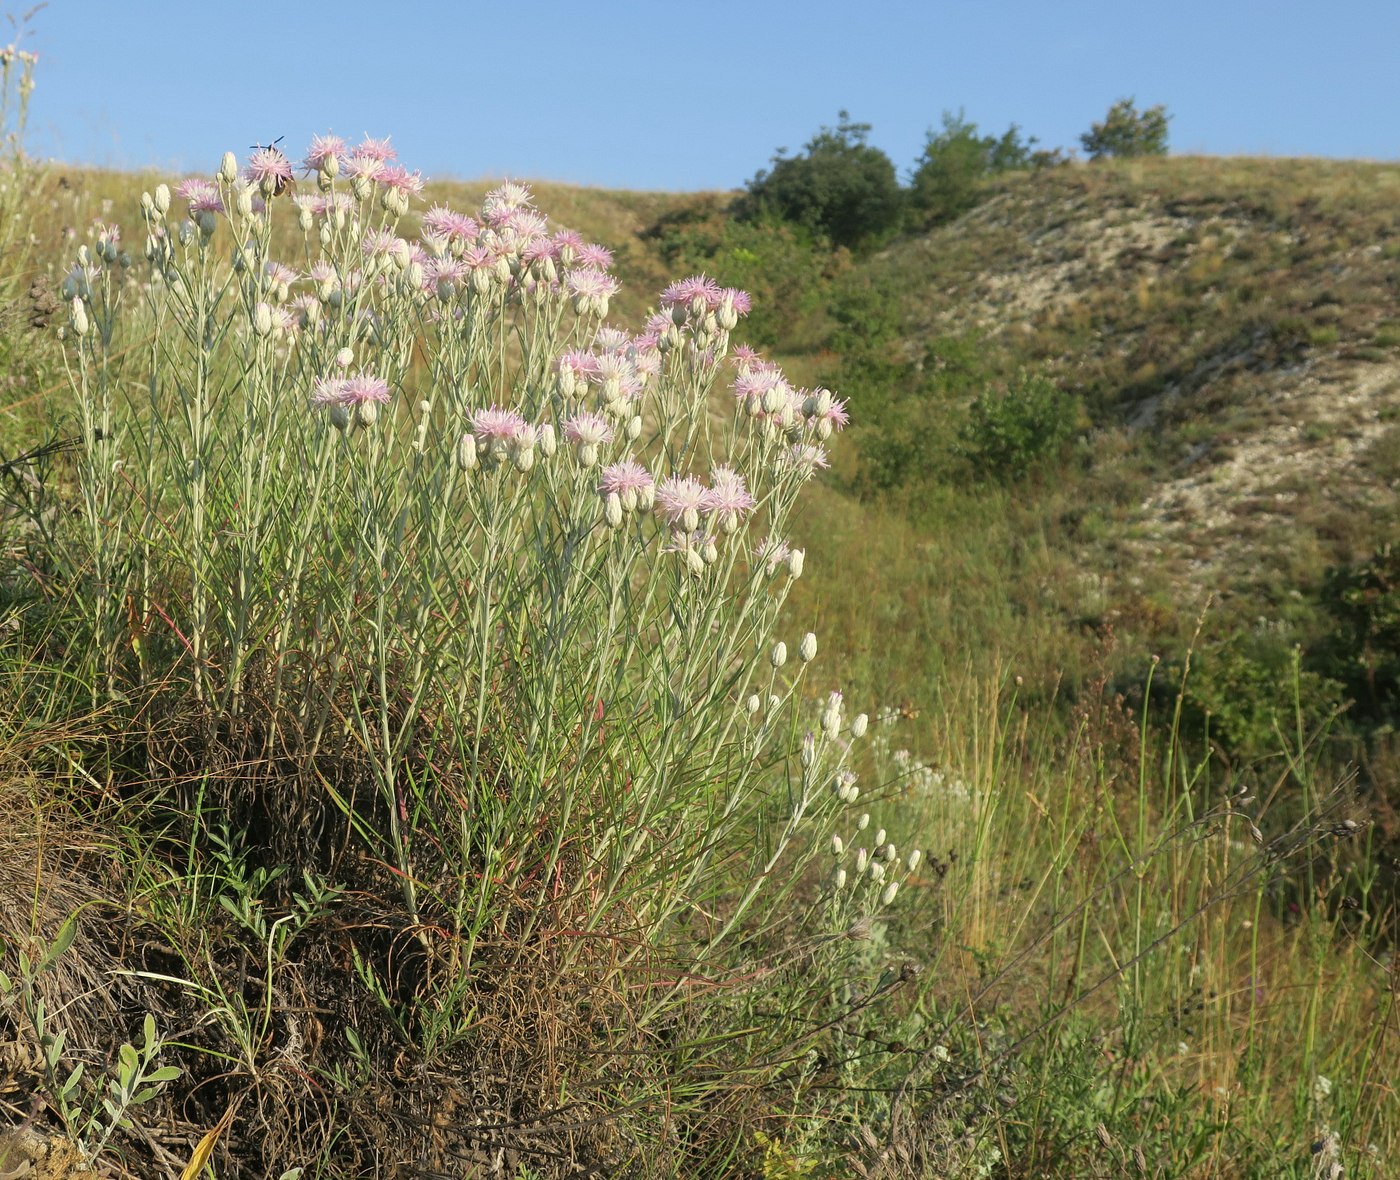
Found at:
<point>688,291</point>
<point>323,148</point>
<point>538,249</point>
<point>278,274</point>
<point>498,426</point>
<point>681,499</point>
<point>362,387</point>
<point>587,429</point>
<point>442,222</point>
<point>737,299</point>
<point>617,378</point>
<point>631,481</point>
<point>744,356</point>
<point>202,195</point>
<point>525,224</point>
<point>268,170</point>
<point>394,177</point>
<point>378,242</point>
<point>567,244</point>
<point>575,370</point>
<point>728,498</point>
<point>501,202</point>
<point>376,149</point>
<point>590,283</point>
<point>806,458</point>
<point>594,255</point>
<point>327,392</point>
<point>611,339</point>
<point>770,553</point>
<point>365,167</point>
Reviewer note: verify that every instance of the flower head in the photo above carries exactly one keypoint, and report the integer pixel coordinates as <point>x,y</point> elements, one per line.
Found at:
<point>202,195</point>
<point>323,149</point>
<point>728,498</point>
<point>268,170</point>
<point>698,289</point>
<point>681,499</point>
<point>594,255</point>
<point>376,149</point>
<point>630,482</point>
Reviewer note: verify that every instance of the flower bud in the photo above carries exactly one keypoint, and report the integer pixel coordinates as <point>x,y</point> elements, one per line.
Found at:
<point>549,442</point>
<point>78,317</point>
<point>753,704</point>
<point>877,870</point>
<point>840,878</point>
<point>694,562</point>
<point>807,650</point>
<point>148,208</point>
<point>914,858</point>
<point>889,891</point>
<point>863,822</point>
<point>859,725</point>
<point>466,452</point>
<point>523,458</point>
<point>367,413</point>
<point>345,357</point>
<point>340,417</point>
<point>207,222</point>
<point>330,166</point>
<point>262,319</point>
<point>709,551</point>
<point>795,561</point>
<point>228,168</point>
<point>587,455</point>
<point>862,858</point>
<point>778,656</point>
<point>162,198</point>
<point>634,428</point>
<point>243,201</point>
<point>809,750</point>
<point>837,846</point>
<point>890,853</point>
<point>612,511</point>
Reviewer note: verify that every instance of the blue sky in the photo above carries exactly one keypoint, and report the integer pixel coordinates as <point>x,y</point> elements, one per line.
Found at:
<point>679,94</point>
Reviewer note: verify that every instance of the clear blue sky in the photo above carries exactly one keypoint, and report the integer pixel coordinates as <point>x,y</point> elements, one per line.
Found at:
<point>679,94</point>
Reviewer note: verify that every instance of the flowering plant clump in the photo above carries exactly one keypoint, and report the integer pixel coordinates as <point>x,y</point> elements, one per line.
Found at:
<point>406,503</point>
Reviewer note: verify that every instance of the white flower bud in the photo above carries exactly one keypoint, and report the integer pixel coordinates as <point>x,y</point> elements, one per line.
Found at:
<point>840,878</point>
<point>148,208</point>
<point>880,836</point>
<point>694,563</point>
<point>612,511</point>
<point>262,319</point>
<point>809,751</point>
<point>795,561</point>
<point>345,357</point>
<point>807,650</point>
<point>243,201</point>
<point>162,198</point>
<point>889,891</point>
<point>549,442</point>
<point>709,551</point>
<point>778,656</point>
<point>466,452</point>
<point>587,455</point>
<point>228,168</point>
<point>859,725</point>
<point>330,166</point>
<point>84,256</point>
<point>523,458</point>
<point>340,417</point>
<point>837,846</point>
<point>890,853</point>
<point>78,317</point>
<point>634,428</point>
<point>914,858</point>
<point>753,704</point>
<point>863,822</point>
<point>862,859</point>
<point>367,413</point>
<point>877,871</point>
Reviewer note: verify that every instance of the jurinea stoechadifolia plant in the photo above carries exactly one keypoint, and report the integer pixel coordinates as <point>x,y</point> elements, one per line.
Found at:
<point>414,498</point>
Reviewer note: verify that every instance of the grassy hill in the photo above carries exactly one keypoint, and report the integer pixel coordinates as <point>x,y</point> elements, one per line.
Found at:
<point>1149,931</point>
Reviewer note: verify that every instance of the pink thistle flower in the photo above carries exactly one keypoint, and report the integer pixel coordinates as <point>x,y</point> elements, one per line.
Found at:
<point>364,167</point>
<point>538,249</point>
<point>401,179</point>
<point>836,414</point>
<point>378,242</point>
<point>442,274</point>
<point>771,552</point>
<point>681,499</point>
<point>611,339</point>
<point>567,244</point>
<point>328,391</point>
<point>685,292</point>
<point>361,388</point>
<point>376,149</point>
<point>646,360</point>
<point>806,458</point>
<point>322,149</point>
<point>575,370</point>
<point>498,431</point>
<point>202,195</point>
<point>501,202</point>
<point>744,356</point>
<point>631,482</point>
<point>657,325</point>
<point>617,378</point>
<point>268,170</point>
<point>728,498</point>
<point>525,224</point>
<point>445,223</point>
<point>739,300</point>
<point>278,274</point>
<point>590,284</point>
<point>594,255</point>
<point>588,429</point>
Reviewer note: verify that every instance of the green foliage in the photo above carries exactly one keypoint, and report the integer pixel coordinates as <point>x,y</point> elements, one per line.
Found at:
<point>949,175</point>
<point>1244,692</point>
<point>1362,598</point>
<point>1126,131</point>
<point>786,268</point>
<point>840,186</point>
<point>1012,428</point>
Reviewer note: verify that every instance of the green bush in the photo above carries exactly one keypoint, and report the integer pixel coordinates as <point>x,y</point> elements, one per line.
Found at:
<point>1012,428</point>
<point>840,186</point>
<point>948,177</point>
<point>1363,600</point>
<point>1126,131</point>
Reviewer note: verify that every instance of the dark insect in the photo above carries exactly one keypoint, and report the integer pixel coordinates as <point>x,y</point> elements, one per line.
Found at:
<point>282,182</point>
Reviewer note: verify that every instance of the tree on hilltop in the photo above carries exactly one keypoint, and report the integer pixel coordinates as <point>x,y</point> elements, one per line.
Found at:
<point>1126,131</point>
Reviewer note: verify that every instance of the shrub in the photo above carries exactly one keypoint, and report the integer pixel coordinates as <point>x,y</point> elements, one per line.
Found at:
<point>1363,600</point>
<point>410,552</point>
<point>948,176</point>
<point>840,186</point>
<point>1012,428</point>
<point>1126,131</point>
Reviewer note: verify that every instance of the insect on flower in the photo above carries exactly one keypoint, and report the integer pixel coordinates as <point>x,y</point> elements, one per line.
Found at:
<point>270,168</point>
